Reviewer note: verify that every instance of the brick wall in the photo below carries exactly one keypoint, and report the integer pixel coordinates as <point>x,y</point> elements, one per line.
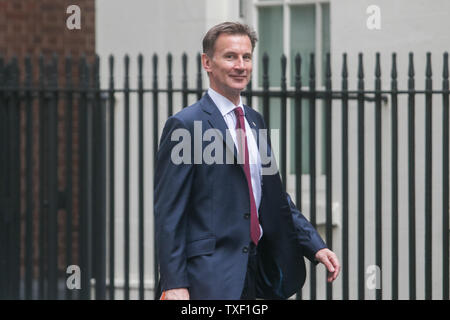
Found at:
<point>32,27</point>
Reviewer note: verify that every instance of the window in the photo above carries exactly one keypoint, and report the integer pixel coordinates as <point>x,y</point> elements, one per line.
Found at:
<point>291,27</point>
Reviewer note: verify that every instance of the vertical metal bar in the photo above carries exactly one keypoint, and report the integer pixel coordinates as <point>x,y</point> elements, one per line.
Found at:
<point>84,183</point>
<point>328,166</point>
<point>312,159</point>
<point>90,183</point>
<point>411,181</point>
<point>112,128</point>
<point>249,93</point>
<point>199,77</point>
<point>93,163</point>
<point>266,113</point>
<point>184,82</point>
<point>81,173</point>
<point>345,260</point>
<point>141,174</point>
<point>30,183</point>
<point>298,139</point>
<point>6,217</point>
<point>361,188</point>
<point>445,182</point>
<point>127,181</point>
<point>69,174</point>
<point>42,179</point>
<point>394,165</point>
<point>156,135</point>
<point>169,87</point>
<point>100,174</point>
<point>15,194</point>
<point>53,182</point>
<point>155,104</point>
<point>428,179</point>
<point>3,174</point>
<point>283,135</point>
<point>378,174</point>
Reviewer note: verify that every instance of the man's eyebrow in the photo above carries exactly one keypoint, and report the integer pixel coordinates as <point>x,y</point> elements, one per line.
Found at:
<point>234,52</point>
<point>230,52</point>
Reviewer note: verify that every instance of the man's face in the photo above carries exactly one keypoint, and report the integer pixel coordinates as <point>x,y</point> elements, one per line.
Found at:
<point>230,67</point>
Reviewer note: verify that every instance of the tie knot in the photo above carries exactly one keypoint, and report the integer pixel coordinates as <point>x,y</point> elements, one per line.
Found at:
<point>238,112</point>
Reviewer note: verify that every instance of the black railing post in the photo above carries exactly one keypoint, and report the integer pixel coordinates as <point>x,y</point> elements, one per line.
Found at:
<point>184,81</point>
<point>53,181</point>
<point>169,86</point>
<point>156,133</point>
<point>199,77</point>
<point>99,201</point>
<point>249,94</point>
<point>378,176</point>
<point>298,139</point>
<point>112,225</point>
<point>141,173</point>
<point>15,185</point>
<point>265,81</point>
<point>43,202</point>
<point>312,160</point>
<point>328,163</point>
<point>345,195</point>
<point>68,167</point>
<point>85,183</point>
<point>445,182</point>
<point>361,186</point>
<point>126,225</point>
<point>283,134</point>
<point>394,171</point>
<point>29,248</point>
<point>3,187</point>
<point>428,179</point>
<point>411,180</point>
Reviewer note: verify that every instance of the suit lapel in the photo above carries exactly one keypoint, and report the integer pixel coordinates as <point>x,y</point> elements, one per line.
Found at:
<point>252,123</point>
<point>216,121</point>
<point>260,138</point>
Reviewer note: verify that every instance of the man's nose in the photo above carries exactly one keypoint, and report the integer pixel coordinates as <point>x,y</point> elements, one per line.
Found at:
<point>239,63</point>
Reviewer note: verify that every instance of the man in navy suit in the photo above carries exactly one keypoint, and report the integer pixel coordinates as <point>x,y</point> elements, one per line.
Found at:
<point>225,229</point>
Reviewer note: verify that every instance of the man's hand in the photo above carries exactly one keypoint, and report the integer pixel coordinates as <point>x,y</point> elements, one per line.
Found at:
<point>331,262</point>
<point>175,294</point>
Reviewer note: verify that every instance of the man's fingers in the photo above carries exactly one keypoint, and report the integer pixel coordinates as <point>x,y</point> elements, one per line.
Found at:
<point>326,261</point>
<point>330,261</point>
<point>336,265</point>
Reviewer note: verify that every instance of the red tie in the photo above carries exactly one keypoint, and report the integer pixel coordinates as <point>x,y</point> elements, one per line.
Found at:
<point>255,232</point>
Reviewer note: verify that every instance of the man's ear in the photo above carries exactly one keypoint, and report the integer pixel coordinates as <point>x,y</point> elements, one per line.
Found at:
<point>206,62</point>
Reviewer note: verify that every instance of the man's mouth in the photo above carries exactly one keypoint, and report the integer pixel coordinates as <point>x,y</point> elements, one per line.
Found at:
<point>238,77</point>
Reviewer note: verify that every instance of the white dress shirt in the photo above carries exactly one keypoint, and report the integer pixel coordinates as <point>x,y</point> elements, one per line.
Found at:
<point>226,108</point>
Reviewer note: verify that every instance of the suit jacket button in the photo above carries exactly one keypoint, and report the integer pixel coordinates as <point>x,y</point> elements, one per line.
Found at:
<point>247,216</point>
<point>245,250</point>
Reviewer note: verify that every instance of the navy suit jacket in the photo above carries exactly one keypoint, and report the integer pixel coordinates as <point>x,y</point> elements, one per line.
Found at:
<point>202,216</point>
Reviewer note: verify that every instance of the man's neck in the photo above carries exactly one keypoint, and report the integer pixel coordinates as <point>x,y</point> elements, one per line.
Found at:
<point>234,97</point>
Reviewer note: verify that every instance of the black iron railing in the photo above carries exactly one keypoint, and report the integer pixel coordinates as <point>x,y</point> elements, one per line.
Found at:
<point>58,170</point>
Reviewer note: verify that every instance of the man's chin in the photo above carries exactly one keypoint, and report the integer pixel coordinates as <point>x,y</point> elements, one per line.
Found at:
<point>240,87</point>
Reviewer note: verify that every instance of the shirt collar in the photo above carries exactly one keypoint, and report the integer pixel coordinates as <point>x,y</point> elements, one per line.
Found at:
<point>224,104</point>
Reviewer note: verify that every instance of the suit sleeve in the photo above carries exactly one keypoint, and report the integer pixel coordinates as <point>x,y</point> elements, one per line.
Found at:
<point>172,186</point>
<point>308,237</point>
